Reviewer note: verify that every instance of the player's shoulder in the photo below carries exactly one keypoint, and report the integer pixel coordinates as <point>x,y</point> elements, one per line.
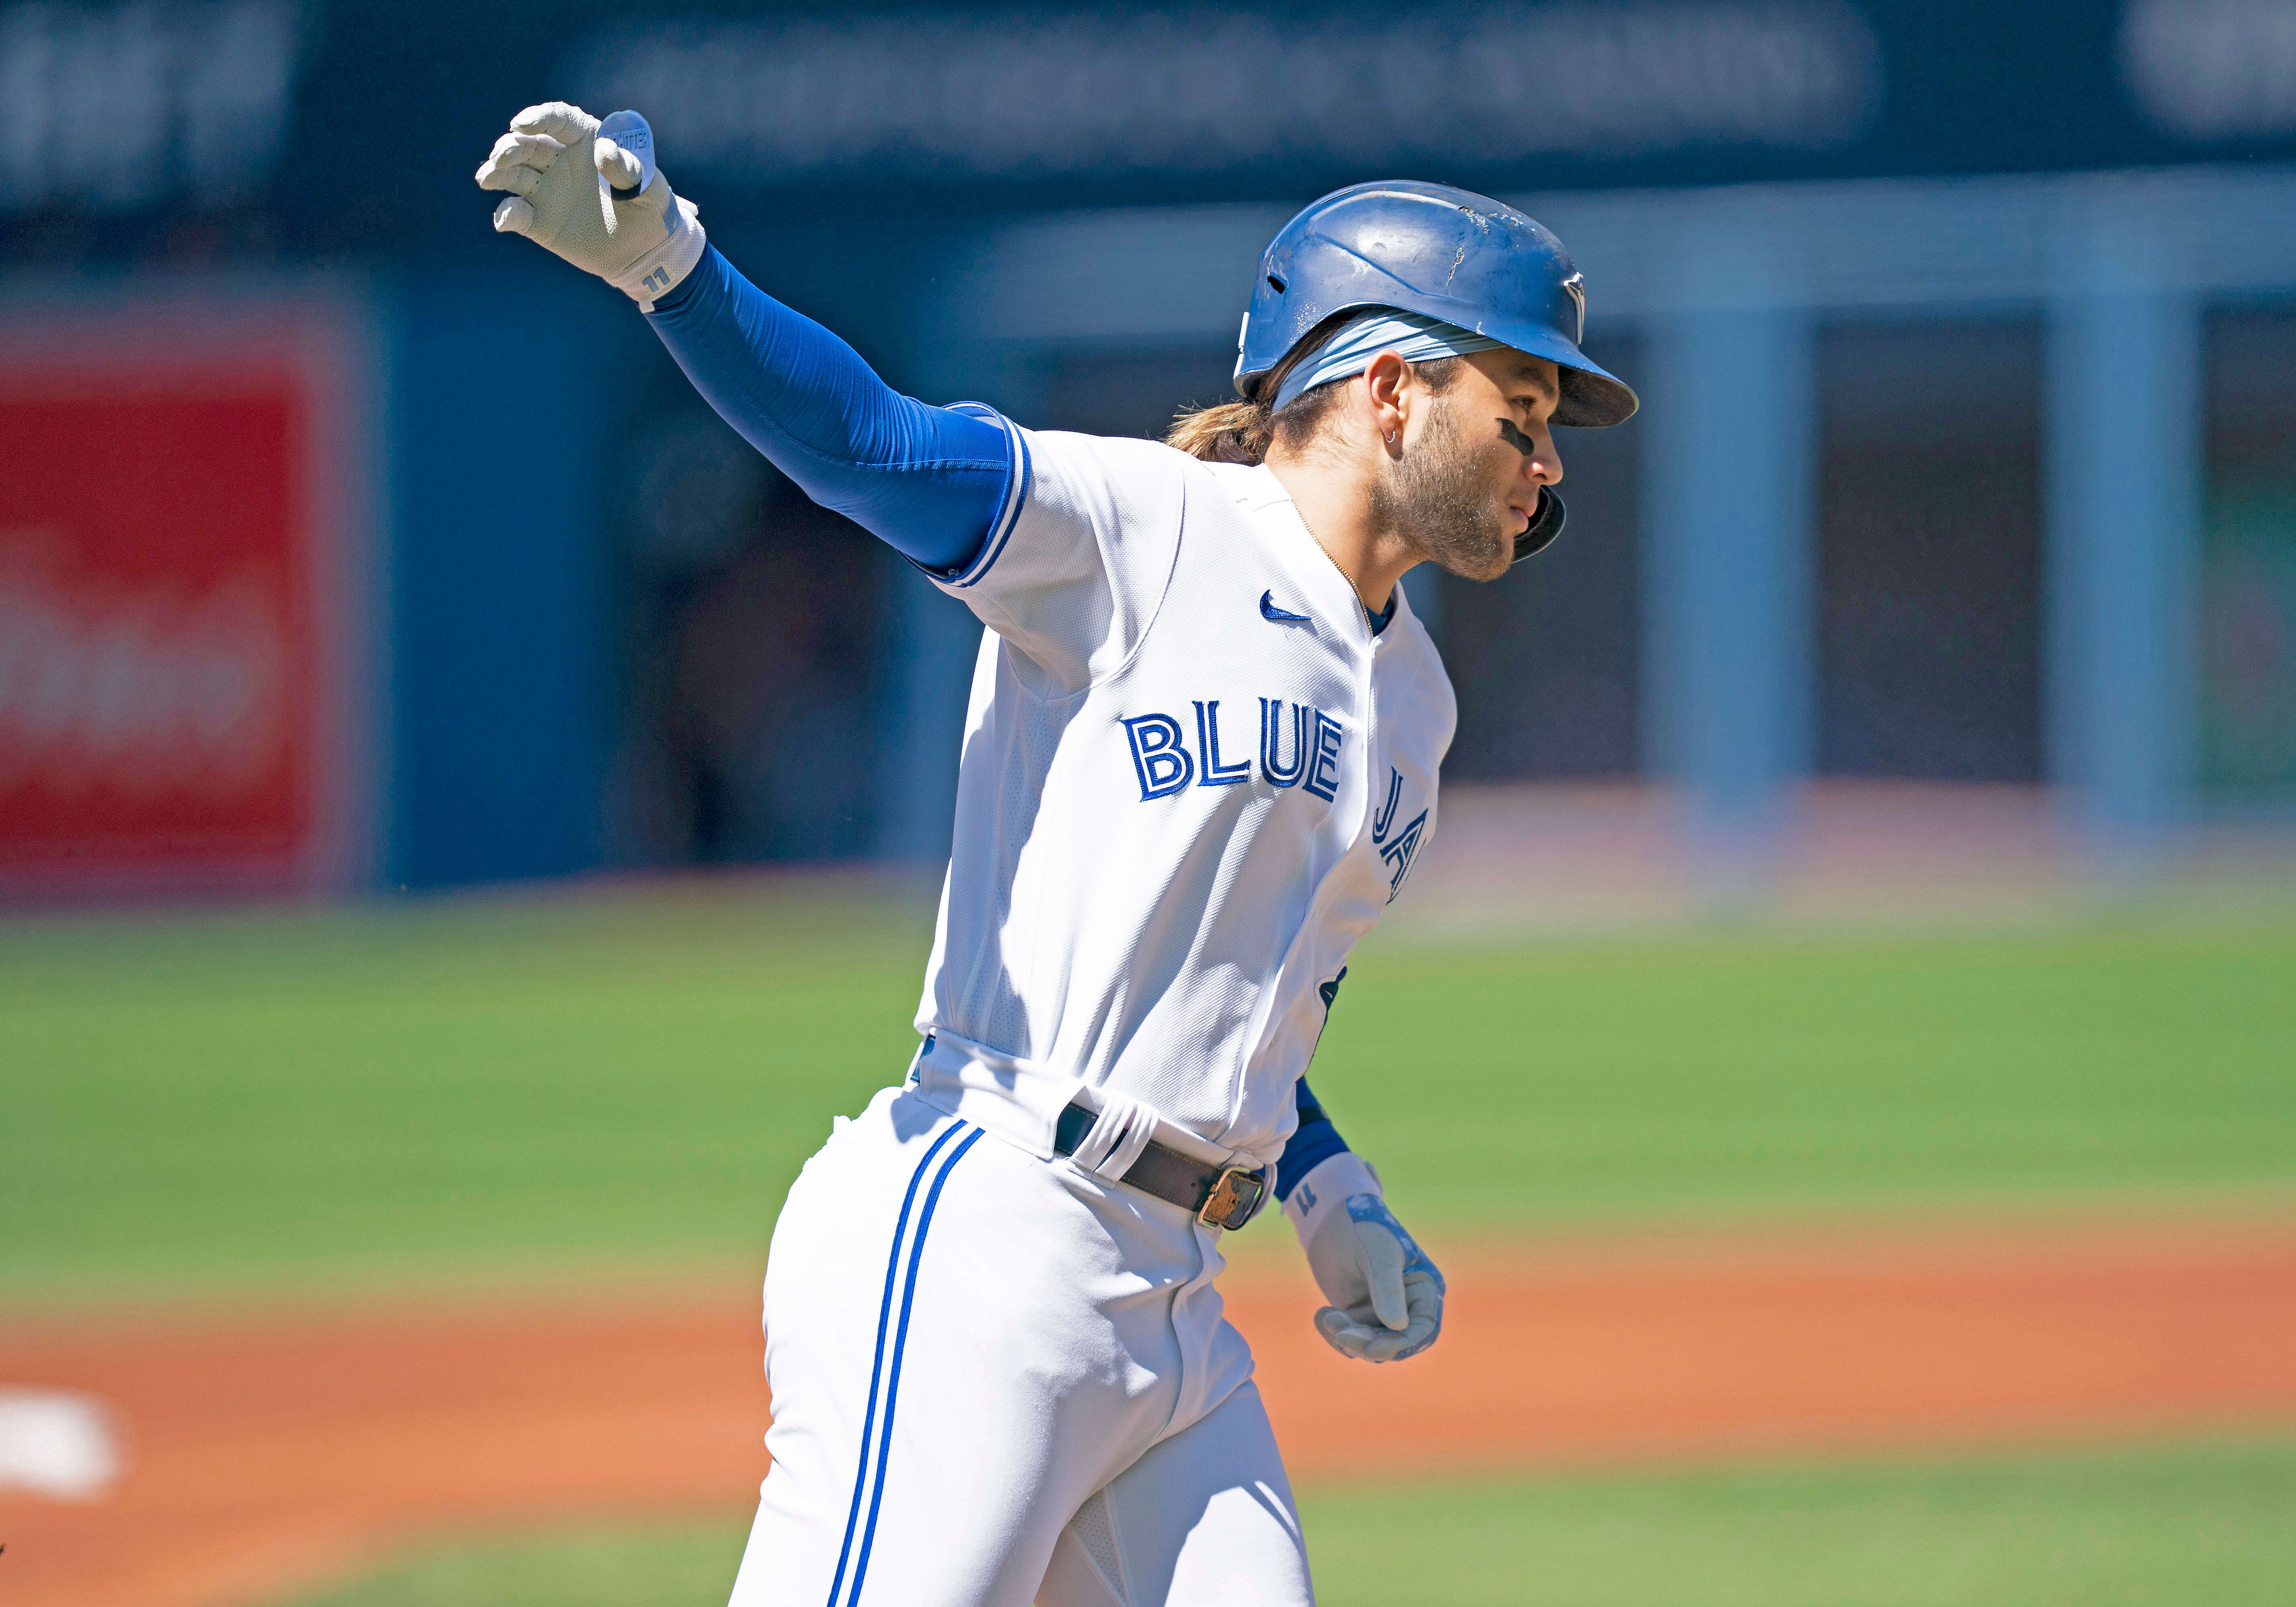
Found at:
<point>1070,468</point>
<point>1116,453</point>
<point>1247,484</point>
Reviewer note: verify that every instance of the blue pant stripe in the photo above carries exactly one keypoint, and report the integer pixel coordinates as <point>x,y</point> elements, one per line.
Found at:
<point>900,1344</point>
<point>877,1365</point>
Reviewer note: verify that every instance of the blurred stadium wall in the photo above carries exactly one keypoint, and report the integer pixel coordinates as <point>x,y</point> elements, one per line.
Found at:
<point>347,545</point>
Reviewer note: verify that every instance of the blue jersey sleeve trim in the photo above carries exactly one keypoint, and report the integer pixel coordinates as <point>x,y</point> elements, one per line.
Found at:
<point>1018,481</point>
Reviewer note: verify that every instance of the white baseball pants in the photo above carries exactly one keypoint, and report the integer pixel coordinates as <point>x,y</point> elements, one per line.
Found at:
<point>996,1379</point>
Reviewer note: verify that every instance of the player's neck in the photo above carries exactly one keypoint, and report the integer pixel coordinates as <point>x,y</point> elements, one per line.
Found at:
<point>1336,506</point>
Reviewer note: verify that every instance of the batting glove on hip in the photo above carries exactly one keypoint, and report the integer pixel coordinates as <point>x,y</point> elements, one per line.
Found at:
<point>590,192</point>
<point>1386,1295</point>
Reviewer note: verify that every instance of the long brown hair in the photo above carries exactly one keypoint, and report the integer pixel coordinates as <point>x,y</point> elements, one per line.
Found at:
<point>1241,432</point>
<point>1225,432</point>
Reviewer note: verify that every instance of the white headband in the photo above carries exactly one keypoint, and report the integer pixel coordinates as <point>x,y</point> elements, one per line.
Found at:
<point>1411,336</point>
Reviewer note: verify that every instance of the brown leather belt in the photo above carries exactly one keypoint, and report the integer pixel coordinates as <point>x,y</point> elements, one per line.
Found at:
<point>1225,1197</point>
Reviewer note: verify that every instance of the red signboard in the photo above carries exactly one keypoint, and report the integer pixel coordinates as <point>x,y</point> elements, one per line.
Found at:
<point>174,628</point>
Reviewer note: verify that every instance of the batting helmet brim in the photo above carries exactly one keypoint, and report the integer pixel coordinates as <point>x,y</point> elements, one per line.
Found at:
<point>1438,251</point>
<point>1592,397</point>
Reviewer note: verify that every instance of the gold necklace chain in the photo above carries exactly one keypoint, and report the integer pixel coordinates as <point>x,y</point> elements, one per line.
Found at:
<point>1334,562</point>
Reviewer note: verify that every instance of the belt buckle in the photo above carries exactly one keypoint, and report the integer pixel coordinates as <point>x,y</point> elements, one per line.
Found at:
<point>1233,1199</point>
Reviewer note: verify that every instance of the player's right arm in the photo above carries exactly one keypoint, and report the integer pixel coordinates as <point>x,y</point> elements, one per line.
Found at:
<point>933,482</point>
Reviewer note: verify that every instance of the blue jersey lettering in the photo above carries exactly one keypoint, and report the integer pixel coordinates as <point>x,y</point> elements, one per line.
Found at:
<point>1159,755</point>
<point>1212,773</point>
<point>1322,778</point>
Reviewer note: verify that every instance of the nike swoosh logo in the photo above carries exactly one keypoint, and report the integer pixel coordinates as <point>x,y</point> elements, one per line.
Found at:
<point>1281,616</point>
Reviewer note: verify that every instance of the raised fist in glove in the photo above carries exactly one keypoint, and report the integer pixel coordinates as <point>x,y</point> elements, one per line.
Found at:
<point>590,192</point>
<point>1387,1297</point>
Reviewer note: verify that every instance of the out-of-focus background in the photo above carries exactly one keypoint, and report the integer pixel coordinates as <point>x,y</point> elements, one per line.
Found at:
<point>466,822</point>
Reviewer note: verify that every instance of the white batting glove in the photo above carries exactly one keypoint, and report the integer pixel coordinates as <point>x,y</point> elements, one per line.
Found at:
<point>1387,1297</point>
<point>591,193</point>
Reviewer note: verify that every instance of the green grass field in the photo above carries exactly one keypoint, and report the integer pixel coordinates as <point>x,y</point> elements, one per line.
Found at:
<point>620,1084</point>
<point>2171,1528</point>
<point>481,1089</point>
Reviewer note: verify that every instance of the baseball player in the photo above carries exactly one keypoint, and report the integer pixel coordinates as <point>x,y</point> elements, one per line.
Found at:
<point>1199,759</point>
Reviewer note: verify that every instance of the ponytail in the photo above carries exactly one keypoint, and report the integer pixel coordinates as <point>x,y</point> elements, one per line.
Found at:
<point>1226,432</point>
<point>1241,432</point>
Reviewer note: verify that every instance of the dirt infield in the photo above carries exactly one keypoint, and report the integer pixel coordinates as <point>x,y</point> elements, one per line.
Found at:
<point>265,1453</point>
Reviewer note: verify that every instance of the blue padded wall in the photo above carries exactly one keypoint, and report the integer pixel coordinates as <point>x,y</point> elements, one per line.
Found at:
<point>501,685</point>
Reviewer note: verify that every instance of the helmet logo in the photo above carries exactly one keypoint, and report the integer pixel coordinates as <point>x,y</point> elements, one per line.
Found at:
<point>1575,287</point>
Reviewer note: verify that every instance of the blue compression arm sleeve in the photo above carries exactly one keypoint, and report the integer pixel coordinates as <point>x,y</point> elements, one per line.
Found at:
<point>930,481</point>
<point>1313,1142</point>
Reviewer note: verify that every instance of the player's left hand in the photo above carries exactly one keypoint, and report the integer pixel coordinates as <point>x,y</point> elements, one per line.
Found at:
<point>1386,1295</point>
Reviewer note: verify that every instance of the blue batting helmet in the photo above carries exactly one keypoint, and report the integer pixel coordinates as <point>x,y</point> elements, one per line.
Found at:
<point>1443,252</point>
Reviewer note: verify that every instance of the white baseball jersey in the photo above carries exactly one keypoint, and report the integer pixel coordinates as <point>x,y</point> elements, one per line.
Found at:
<point>1193,777</point>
